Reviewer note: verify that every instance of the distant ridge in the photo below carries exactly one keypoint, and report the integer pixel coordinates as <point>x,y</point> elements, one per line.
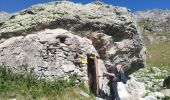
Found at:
<point>152,14</point>
<point>3,14</point>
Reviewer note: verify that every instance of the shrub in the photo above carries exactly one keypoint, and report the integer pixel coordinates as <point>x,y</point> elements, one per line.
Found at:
<point>167,98</point>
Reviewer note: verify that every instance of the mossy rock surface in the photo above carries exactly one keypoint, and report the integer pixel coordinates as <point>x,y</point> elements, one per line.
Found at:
<point>71,16</point>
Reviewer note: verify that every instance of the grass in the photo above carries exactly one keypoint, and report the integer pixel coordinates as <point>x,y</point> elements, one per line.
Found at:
<point>27,86</point>
<point>66,94</point>
<point>146,34</point>
<point>159,55</point>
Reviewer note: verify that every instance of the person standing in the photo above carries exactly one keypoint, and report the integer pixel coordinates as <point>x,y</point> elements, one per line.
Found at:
<point>112,72</point>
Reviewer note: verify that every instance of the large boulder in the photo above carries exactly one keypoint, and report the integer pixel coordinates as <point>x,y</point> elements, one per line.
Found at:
<point>33,37</point>
<point>112,30</point>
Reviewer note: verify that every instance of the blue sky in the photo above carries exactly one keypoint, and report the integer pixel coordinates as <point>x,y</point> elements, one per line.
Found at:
<point>11,6</point>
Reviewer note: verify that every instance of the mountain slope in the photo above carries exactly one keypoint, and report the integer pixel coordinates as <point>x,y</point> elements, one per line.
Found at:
<point>3,15</point>
<point>154,25</point>
<point>154,14</point>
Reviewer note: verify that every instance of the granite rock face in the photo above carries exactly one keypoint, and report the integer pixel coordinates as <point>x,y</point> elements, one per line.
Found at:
<point>51,53</point>
<point>54,38</point>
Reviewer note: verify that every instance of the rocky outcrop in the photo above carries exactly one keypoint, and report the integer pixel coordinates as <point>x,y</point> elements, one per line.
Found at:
<point>154,24</point>
<point>54,38</point>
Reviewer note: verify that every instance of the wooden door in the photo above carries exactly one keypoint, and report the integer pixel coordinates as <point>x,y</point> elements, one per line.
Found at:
<point>93,75</point>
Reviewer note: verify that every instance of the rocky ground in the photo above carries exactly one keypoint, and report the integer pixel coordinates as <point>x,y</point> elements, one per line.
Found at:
<point>152,78</point>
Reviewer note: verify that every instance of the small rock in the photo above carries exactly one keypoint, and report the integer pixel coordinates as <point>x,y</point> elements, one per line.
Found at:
<point>155,69</point>
<point>84,94</point>
<point>68,68</point>
<point>155,96</point>
<point>166,92</point>
<point>13,99</point>
<point>135,88</point>
<point>150,98</point>
<point>123,93</point>
<point>158,94</point>
<point>98,98</point>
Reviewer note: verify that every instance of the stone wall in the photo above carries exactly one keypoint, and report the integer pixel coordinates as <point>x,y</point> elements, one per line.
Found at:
<point>51,53</point>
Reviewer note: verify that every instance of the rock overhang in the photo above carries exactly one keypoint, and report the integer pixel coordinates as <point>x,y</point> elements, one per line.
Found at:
<point>72,16</point>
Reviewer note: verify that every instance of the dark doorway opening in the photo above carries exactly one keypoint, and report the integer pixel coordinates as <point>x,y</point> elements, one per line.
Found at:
<point>92,77</point>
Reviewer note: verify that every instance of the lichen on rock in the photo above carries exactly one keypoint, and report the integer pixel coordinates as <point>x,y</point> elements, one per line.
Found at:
<point>47,52</point>
<point>54,38</point>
